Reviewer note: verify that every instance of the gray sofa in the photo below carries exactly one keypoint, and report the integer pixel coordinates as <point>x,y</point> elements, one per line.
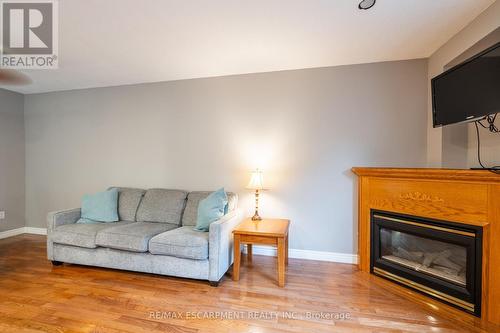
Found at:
<point>154,235</point>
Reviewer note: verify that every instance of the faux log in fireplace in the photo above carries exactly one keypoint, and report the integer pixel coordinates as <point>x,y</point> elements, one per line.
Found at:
<point>436,231</point>
<point>437,258</point>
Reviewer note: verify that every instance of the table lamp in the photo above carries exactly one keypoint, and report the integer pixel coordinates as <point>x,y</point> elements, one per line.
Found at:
<point>256,183</point>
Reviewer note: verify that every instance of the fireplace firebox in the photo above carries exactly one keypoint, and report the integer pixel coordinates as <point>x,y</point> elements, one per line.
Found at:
<point>438,258</point>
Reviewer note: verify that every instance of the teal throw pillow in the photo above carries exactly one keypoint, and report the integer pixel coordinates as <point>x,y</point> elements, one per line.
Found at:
<point>211,209</point>
<point>100,207</point>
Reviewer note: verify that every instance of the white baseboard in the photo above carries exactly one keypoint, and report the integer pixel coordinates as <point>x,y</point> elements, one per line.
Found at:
<point>11,233</point>
<point>23,230</point>
<point>35,231</point>
<point>345,258</point>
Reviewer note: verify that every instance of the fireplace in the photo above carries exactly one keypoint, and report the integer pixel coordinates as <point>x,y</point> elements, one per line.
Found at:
<point>461,207</point>
<point>438,258</point>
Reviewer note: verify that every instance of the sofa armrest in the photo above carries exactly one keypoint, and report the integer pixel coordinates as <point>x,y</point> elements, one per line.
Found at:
<point>56,219</point>
<point>220,240</point>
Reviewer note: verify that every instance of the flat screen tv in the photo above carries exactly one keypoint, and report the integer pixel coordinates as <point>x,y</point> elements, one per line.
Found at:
<point>468,91</point>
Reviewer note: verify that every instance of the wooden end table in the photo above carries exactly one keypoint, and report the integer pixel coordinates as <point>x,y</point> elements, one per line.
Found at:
<point>272,232</point>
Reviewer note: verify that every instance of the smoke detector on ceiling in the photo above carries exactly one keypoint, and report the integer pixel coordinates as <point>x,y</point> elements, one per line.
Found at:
<point>366,4</point>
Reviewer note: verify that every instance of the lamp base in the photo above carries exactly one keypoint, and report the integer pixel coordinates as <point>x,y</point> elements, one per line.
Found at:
<point>256,217</point>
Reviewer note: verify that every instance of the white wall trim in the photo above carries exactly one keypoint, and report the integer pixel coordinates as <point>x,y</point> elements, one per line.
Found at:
<point>345,258</point>
<point>23,230</point>
<point>35,231</point>
<point>11,233</point>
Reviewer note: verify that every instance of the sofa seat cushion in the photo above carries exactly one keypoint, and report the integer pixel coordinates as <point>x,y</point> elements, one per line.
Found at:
<point>81,234</point>
<point>182,242</point>
<point>159,205</point>
<point>131,237</point>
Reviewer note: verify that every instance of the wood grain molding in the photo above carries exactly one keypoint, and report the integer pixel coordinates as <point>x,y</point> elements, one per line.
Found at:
<point>429,173</point>
<point>462,196</point>
<point>417,196</point>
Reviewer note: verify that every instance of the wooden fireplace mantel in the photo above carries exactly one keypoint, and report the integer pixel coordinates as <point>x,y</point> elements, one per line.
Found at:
<point>423,173</point>
<point>469,197</point>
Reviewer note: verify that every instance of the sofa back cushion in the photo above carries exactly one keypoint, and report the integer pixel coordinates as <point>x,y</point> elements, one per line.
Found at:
<point>159,205</point>
<point>191,211</point>
<point>128,202</point>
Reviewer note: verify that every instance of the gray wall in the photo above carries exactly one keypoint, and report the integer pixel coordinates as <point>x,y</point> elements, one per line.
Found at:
<point>455,145</point>
<point>11,160</point>
<point>304,128</point>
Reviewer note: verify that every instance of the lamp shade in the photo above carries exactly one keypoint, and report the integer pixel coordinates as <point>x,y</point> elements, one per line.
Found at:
<point>256,181</point>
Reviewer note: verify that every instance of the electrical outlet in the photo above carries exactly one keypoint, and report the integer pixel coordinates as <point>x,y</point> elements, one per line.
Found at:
<point>2,214</point>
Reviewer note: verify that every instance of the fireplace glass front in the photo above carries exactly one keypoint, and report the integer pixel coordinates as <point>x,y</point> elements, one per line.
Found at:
<point>438,258</point>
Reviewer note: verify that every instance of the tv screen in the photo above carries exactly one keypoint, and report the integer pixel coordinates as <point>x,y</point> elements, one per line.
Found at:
<point>468,91</point>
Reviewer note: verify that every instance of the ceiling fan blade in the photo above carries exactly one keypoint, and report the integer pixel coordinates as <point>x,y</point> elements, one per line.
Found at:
<point>12,77</point>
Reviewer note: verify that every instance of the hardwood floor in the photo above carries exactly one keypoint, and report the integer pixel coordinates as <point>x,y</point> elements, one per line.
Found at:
<point>37,297</point>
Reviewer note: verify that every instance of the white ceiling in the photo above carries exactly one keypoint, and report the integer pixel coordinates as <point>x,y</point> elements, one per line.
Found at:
<point>117,42</point>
